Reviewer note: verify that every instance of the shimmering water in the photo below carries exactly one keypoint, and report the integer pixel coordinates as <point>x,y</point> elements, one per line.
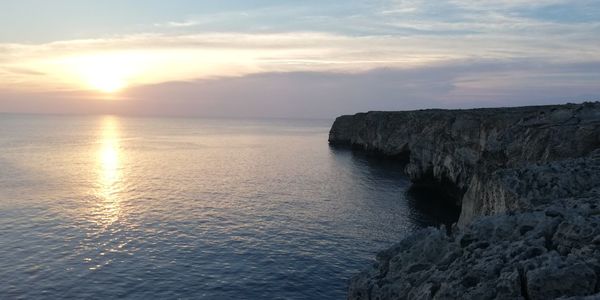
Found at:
<point>104,207</point>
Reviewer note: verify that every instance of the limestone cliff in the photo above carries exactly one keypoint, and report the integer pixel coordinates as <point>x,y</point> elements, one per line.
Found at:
<point>461,149</point>
<point>528,181</point>
<point>549,251</point>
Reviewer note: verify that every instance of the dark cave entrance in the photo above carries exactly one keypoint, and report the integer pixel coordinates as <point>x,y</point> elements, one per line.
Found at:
<point>440,199</point>
<point>435,202</point>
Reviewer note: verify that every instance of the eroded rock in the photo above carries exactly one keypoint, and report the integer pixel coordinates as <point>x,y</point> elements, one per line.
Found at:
<point>464,147</point>
<point>532,255</point>
<point>528,180</point>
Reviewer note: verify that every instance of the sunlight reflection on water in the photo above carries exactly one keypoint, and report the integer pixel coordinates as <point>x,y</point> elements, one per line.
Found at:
<point>112,207</point>
<point>109,172</point>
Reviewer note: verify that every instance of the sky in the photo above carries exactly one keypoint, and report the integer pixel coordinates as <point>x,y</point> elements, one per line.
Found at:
<point>300,59</point>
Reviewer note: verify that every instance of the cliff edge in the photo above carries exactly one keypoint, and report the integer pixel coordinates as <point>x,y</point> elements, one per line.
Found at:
<point>460,150</point>
<point>528,183</point>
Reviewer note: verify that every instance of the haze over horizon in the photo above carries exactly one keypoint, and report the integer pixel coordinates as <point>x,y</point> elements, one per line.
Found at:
<point>290,59</point>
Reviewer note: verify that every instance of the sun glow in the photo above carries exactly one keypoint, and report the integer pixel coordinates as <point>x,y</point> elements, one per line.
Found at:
<point>106,73</point>
<point>105,77</point>
<point>106,81</point>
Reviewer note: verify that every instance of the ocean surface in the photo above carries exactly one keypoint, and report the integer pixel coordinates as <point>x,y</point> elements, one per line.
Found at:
<point>102,207</point>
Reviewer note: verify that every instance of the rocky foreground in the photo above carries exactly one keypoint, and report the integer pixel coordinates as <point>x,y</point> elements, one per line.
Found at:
<point>528,182</point>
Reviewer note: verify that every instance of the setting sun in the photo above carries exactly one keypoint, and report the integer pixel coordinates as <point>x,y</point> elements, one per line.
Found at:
<point>107,73</point>
<point>106,79</point>
<point>106,83</point>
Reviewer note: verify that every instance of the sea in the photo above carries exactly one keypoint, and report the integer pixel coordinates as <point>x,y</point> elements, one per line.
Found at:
<point>107,207</point>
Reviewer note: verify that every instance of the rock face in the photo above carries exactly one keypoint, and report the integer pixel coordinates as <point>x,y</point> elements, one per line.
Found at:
<point>550,251</point>
<point>461,149</point>
<point>528,180</point>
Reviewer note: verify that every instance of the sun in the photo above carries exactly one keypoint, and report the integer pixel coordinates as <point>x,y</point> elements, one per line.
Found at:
<point>107,73</point>
<point>107,79</point>
<point>106,83</point>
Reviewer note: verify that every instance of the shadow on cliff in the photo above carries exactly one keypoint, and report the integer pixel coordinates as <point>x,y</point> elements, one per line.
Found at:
<point>435,207</point>
<point>427,204</point>
<point>376,166</point>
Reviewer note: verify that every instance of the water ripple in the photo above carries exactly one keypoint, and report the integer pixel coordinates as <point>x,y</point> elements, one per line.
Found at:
<point>108,207</point>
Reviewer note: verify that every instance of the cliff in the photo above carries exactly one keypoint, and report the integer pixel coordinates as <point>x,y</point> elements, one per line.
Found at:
<point>528,182</point>
<point>460,150</point>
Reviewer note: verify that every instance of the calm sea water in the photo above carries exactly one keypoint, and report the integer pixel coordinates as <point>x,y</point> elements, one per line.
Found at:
<point>105,207</point>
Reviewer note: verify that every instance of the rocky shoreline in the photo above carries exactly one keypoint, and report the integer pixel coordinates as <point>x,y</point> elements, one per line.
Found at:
<point>528,183</point>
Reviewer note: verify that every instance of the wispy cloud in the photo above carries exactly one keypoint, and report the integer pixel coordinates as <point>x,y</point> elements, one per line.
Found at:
<point>425,50</point>
<point>520,18</point>
<point>187,57</point>
<point>462,84</point>
<point>178,24</point>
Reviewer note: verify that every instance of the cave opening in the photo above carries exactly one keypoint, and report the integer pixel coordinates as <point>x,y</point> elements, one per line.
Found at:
<point>434,202</point>
<point>440,200</point>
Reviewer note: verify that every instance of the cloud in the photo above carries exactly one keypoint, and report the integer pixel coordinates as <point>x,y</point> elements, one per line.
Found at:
<point>155,58</point>
<point>326,94</point>
<point>461,84</point>
<point>495,17</point>
<point>503,4</point>
<point>21,71</point>
<point>354,55</point>
<point>178,24</point>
